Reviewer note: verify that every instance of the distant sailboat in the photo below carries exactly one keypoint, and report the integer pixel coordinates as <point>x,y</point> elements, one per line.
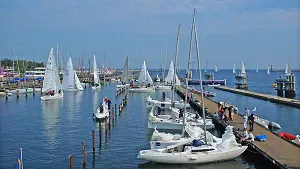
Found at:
<point>233,71</point>
<point>216,68</point>
<point>256,70</point>
<point>268,71</point>
<point>71,81</point>
<point>125,73</point>
<point>51,83</point>
<point>287,69</point>
<point>144,79</point>
<point>243,70</point>
<point>97,84</point>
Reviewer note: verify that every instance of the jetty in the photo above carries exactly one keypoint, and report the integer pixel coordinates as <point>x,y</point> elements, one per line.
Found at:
<point>271,98</point>
<point>280,152</point>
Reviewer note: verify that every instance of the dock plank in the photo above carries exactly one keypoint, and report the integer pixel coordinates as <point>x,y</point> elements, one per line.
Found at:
<point>275,148</point>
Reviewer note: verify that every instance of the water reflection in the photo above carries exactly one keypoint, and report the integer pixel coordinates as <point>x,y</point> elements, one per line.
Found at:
<point>50,114</point>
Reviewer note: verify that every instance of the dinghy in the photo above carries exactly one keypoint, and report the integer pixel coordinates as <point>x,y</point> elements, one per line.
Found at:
<point>97,84</point>
<point>51,83</point>
<point>191,151</point>
<point>265,123</point>
<point>70,80</point>
<point>102,111</point>
<point>144,81</point>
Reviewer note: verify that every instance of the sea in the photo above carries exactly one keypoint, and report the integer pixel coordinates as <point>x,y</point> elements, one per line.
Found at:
<point>50,131</point>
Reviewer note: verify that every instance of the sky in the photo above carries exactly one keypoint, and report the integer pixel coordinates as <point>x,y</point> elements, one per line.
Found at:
<point>258,32</point>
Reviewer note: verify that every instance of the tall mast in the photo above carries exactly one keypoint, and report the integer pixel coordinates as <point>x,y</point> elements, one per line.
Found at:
<point>104,65</point>
<point>165,64</point>
<point>200,77</point>
<point>57,56</point>
<point>127,71</point>
<point>176,57</point>
<point>188,73</point>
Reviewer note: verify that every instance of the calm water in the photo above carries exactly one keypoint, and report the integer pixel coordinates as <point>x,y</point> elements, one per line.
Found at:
<point>50,131</point>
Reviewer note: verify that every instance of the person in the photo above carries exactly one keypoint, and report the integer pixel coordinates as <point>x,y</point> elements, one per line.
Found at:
<point>101,108</point>
<point>230,112</point>
<point>245,119</point>
<point>108,104</point>
<point>164,96</point>
<point>220,114</point>
<point>180,113</point>
<point>59,91</point>
<point>197,116</point>
<point>247,137</point>
<point>158,110</point>
<point>251,122</point>
<point>247,111</point>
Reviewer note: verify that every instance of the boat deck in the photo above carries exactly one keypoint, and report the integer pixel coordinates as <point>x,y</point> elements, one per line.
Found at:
<point>279,151</point>
<point>271,98</point>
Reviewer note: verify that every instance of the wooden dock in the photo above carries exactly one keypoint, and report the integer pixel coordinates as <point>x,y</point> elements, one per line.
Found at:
<point>271,98</point>
<point>280,152</point>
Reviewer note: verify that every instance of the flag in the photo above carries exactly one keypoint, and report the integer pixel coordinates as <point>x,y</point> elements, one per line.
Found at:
<point>20,161</point>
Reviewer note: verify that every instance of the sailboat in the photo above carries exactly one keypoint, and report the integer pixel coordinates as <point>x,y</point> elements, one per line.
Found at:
<point>157,78</point>
<point>191,151</point>
<point>125,73</point>
<point>144,80</point>
<point>97,84</point>
<point>70,80</point>
<point>268,70</point>
<point>51,83</point>
<point>163,86</point>
<point>233,71</point>
<point>256,70</point>
<point>216,68</point>
<point>169,79</point>
<point>287,69</point>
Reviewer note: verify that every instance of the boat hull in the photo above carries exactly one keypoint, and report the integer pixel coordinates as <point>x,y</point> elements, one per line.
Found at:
<point>4,94</point>
<point>142,90</point>
<point>166,105</point>
<point>48,97</point>
<point>163,87</point>
<point>174,126</point>
<point>189,158</point>
<point>96,87</point>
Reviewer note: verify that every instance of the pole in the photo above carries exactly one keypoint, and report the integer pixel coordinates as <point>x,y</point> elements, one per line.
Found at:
<point>176,56</point>
<point>70,161</point>
<point>94,140</point>
<point>84,155</point>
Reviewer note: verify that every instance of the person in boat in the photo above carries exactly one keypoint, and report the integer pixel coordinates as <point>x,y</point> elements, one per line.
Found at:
<point>180,113</point>
<point>59,91</point>
<point>251,122</point>
<point>164,96</point>
<point>101,108</point>
<point>158,110</point>
<point>108,104</point>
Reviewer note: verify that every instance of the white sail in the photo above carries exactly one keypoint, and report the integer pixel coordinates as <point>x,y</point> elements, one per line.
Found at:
<point>216,68</point>
<point>256,70</point>
<point>170,76</point>
<point>233,71</point>
<point>287,69</point>
<point>51,78</point>
<point>68,80</point>
<point>143,76</point>
<point>96,76</point>
<point>124,77</point>
<point>243,70</point>
<point>77,82</point>
<point>149,79</point>
<point>268,71</point>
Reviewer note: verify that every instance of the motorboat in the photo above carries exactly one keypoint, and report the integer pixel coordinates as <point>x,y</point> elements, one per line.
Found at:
<point>266,123</point>
<point>102,111</point>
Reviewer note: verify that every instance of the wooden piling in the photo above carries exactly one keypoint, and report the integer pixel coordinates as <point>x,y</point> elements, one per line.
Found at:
<point>18,94</point>
<point>94,140</point>
<point>83,155</point>
<point>26,92</point>
<point>6,94</point>
<point>33,91</point>
<point>70,161</point>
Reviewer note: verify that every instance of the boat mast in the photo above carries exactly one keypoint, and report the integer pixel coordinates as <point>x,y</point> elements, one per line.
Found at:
<point>165,64</point>
<point>201,87</point>
<point>127,70</point>
<point>57,56</point>
<point>188,74</point>
<point>104,65</point>
<point>176,57</point>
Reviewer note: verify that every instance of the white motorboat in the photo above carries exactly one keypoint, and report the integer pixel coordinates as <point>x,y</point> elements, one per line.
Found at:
<point>266,123</point>
<point>51,83</point>
<point>97,84</point>
<point>196,153</point>
<point>165,104</point>
<point>70,80</point>
<point>173,122</point>
<point>102,111</point>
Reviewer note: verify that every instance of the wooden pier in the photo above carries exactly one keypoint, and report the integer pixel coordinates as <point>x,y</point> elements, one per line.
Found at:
<point>280,152</point>
<point>271,98</point>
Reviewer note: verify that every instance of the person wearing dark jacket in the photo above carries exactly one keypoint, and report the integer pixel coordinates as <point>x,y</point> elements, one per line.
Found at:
<point>251,121</point>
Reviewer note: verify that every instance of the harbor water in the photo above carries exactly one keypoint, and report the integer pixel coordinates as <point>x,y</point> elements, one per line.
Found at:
<point>50,131</point>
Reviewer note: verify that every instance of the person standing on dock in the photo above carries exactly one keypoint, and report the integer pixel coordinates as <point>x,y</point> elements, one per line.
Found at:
<point>245,119</point>
<point>247,111</point>
<point>251,122</point>
<point>230,112</point>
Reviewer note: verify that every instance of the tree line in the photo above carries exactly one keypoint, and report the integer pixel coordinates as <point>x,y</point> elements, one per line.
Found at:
<point>20,65</point>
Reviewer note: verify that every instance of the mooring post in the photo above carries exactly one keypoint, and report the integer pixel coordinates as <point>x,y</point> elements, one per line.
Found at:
<point>26,92</point>
<point>6,94</point>
<point>94,140</point>
<point>41,91</point>
<point>84,155</point>
<point>70,161</point>
<point>33,94</point>
<point>18,93</point>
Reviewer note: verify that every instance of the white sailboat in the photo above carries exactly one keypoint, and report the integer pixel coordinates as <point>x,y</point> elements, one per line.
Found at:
<point>256,70</point>
<point>268,70</point>
<point>51,83</point>
<point>70,80</point>
<point>171,74</point>
<point>97,84</point>
<point>287,69</point>
<point>233,71</point>
<point>216,68</point>
<point>163,86</point>
<point>145,81</point>
<point>157,78</point>
<point>124,77</point>
<point>243,70</point>
<point>196,153</point>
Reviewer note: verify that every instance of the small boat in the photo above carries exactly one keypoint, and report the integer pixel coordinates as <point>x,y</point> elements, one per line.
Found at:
<point>124,77</point>
<point>213,85</point>
<point>265,123</point>
<point>191,151</point>
<point>122,85</point>
<point>274,85</point>
<point>51,83</point>
<point>102,111</point>
<point>170,77</point>
<point>22,91</point>
<point>142,89</point>
<point>210,94</point>
<point>233,71</point>
<point>4,93</point>
<point>216,69</point>
<point>97,84</point>
<point>165,104</point>
<point>157,78</point>
<point>287,135</point>
<point>163,87</point>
